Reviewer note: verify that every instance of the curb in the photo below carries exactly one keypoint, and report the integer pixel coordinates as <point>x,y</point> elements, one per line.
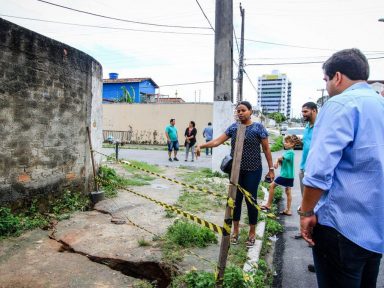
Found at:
<point>253,254</point>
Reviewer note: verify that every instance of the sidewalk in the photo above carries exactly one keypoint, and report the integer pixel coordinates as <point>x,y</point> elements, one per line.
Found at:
<point>107,238</point>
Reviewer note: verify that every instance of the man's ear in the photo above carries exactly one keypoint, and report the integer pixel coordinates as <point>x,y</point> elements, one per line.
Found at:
<point>338,78</point>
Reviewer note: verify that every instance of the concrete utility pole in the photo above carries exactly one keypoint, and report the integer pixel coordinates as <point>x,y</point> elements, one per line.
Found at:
<point>222,106</point>
<point>241,59</point>
<point>223,76</point>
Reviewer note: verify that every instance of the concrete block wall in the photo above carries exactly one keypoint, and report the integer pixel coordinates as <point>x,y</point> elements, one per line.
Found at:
<point>49,93</point>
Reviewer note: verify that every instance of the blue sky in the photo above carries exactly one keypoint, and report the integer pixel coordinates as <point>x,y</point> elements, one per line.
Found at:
<point>323,25</point>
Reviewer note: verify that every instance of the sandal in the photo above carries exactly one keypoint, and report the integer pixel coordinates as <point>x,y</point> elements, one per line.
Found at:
<point>235,239</point>
<point>285,213</point>
<point>250,242</point>
<point>265,208</point>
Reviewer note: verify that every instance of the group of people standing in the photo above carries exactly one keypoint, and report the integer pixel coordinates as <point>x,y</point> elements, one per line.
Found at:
<point>341,174</point>
<point>190,139</point>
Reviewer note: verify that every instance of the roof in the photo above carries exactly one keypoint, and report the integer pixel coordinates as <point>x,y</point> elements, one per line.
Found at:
<point>170,100</point>
<point>130,80</point>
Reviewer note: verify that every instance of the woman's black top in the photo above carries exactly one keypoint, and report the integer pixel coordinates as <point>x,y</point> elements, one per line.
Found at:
<point>251,158</point>
<point>188,133</point>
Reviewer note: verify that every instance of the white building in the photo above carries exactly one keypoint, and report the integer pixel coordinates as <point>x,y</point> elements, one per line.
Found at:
<point>274,93</point>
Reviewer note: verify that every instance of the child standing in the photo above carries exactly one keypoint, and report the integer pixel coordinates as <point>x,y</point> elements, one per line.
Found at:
<point>286,174</point>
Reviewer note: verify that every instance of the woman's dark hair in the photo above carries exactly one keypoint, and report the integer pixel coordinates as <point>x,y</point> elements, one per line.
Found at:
<point>245,103</point>
<point>310,105</point>
<point>350,62</point>
<point>193,123</point>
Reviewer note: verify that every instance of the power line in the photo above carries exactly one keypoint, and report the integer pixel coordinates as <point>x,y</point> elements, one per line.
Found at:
<point>123,20</point>
<point>105,27</point>
<point>299,63</point>
<point>183,84</point>
<point>237,44</point>
<point>288,45</point>
<point>298,46</point>
<point>202,10</point>
<point>188,83</point>
<point>249,79</point>
<point>301,57</point>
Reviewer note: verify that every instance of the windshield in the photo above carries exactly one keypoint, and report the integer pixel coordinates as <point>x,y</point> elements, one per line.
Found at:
<point>295,131</point>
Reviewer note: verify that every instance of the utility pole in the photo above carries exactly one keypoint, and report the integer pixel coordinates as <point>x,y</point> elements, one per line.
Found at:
<point>241,59</point>
<point>223,86</point>
<point>322,96</point>
<point>222,109</point>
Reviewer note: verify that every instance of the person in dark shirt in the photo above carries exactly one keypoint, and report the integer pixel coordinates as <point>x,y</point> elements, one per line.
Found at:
<point>250,166</point>
<point>190,140</point>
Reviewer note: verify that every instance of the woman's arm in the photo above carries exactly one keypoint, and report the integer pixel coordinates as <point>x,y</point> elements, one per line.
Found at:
<point>268,156</point>
<point>213,143</point>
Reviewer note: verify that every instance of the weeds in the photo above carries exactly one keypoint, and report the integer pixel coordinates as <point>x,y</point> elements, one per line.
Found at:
<point>184,234</point>
<point>110,181</point>
<point>12,224</point>
<point>237,254</point>
<point>143,243</point>
<point>196,201</point>
<point>142,284</point>
<point>143,165</point>
<point>233,277</point>
<point>278,145</point>
<point>187,234</point>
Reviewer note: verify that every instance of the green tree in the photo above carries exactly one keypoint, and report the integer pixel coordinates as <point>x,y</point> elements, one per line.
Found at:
<point>126,97</point>
<point>277,116</point>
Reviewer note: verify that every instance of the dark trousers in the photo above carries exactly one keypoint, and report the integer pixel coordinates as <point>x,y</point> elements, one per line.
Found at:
<point>249,180</point>
<point>341,263</point>
<point>207,149</point>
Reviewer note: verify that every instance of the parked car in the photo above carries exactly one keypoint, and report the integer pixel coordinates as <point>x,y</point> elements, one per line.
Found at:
<point>283,129</point>
<point>298,131</point>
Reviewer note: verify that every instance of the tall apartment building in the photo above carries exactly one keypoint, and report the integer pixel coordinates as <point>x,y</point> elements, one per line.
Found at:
<point>274,93</point>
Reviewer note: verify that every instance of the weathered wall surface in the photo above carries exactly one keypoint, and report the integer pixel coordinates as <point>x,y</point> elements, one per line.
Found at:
<point>145,123</point>
<point>49,94</point>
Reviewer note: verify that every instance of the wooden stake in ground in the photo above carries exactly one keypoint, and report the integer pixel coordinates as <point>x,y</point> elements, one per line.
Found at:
<point>225,241</point>
<point>93,160</point>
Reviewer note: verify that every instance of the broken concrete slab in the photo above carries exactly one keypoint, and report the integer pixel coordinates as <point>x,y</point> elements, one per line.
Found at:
<point>33,260</point>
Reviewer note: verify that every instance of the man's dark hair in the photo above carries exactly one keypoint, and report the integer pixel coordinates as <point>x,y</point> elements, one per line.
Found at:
<point>172,119</point>
<point>310,105</point>
<point>193,123</point>
<point>350,62</point>
<point>209,123</point>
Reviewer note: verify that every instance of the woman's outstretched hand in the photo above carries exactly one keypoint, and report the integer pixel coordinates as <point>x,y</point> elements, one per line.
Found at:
<point>197,151</point>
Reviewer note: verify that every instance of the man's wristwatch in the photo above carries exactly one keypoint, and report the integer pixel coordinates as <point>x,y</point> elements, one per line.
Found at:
<point>305,214</point>
<point>271,169</point>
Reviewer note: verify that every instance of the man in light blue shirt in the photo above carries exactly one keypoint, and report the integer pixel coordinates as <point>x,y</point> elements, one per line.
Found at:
<point>344,177</point>
<point>208,135</point>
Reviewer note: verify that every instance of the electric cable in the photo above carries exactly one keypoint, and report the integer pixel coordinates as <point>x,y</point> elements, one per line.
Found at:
<point>123,20</point>
<point>106,27</point>
<point>206,17</point>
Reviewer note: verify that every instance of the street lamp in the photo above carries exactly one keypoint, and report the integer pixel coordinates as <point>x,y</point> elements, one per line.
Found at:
<point>381,20</point>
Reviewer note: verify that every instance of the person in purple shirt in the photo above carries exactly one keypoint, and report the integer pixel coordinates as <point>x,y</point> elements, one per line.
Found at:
<point>342,211</point>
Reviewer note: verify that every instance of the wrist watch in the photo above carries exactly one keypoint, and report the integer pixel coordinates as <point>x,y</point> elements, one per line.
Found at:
<point>305,214</point>
<point>271,168</point>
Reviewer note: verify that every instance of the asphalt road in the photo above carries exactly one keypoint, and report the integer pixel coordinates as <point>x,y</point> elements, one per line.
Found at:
<point>291,256</point>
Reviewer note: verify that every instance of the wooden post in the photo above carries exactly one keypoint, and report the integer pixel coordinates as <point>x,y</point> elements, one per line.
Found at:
<point>93,160</point>
<point>232,190</point>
